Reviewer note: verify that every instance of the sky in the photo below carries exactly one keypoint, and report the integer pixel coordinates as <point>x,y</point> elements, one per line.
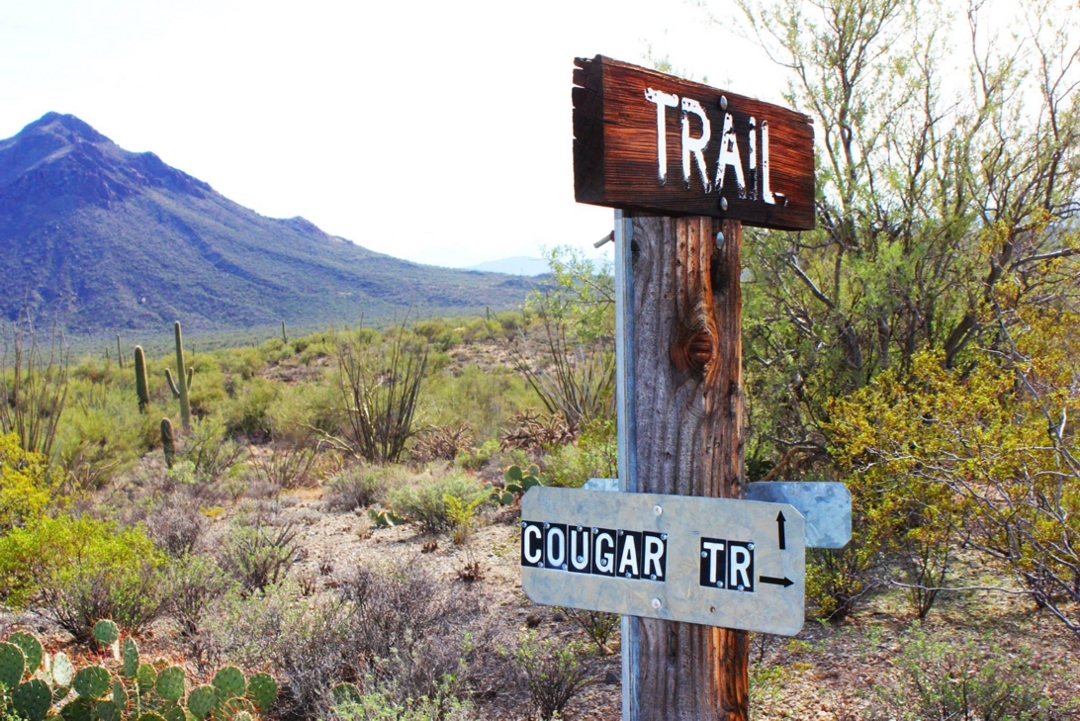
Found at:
<point>439,132</point>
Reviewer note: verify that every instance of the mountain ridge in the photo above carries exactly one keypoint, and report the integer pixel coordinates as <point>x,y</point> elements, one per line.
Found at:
<point>104,238</point>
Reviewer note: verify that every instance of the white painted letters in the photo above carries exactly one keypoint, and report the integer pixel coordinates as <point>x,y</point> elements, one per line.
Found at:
<point>695,146</point>
<point>729,155</point>
<point>661,100</point>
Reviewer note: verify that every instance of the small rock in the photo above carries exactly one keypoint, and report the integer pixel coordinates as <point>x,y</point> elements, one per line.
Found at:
<point>610,678</point>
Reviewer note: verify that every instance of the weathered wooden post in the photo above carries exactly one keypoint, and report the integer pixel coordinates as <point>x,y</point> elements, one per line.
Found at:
<point>685,165</point>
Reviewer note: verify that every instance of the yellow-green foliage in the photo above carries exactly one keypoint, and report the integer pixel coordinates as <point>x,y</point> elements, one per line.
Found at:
<point>55,550</point>
<point>26,484</point>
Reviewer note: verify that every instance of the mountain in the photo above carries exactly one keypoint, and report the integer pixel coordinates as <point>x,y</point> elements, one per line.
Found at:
<point>104,239</point>
<point>518,265</point>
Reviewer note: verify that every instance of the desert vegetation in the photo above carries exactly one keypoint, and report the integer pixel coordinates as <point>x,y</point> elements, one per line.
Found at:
<point>333,516</point>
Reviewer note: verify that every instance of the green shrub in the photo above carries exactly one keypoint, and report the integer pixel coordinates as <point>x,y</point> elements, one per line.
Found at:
<point>384,706</point>
<point>424,502</point>
<point>947,680</point>
<point>356,486</point>
<point>26,484</point>
<point>476,458</point>
<point>78,570</point>
<point>248,414</point>
<point>259,556</point>
<point>551,671</point>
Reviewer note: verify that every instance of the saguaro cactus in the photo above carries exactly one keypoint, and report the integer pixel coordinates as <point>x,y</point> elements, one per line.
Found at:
<point>142,386</point>
<point>182,384</point>
<point>284,335</point>
<point>168,442</point>
<point>119,352</point>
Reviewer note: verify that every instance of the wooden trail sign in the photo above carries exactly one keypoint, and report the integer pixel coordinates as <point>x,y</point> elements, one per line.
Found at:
<point>684,165</point>
<point>648,141</point>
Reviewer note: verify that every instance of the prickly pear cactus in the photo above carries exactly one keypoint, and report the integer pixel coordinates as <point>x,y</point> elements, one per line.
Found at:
<point>172,711</point>
<point>62,671</point>
<point>31,649</point>
<point>106,632</point>
<point>230,709</point>
<point>92,682</point>
<point>262,689</point>
<point>129,654</point>
<point>345,693</point>
<point>12,664</point>
<point>146,677</point>
<point>119,694</point>
<point>171,683</point>
<point>384,519</point>
<point>229,682</point>
<point>201,701</point>
<point>106,711</point>
<point>150,716</point>
<point>519,481</point>
<point>32,700</point>
<point>80,709</point>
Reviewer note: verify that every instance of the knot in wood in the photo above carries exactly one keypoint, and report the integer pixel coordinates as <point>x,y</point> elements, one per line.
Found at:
<point>693,351</point>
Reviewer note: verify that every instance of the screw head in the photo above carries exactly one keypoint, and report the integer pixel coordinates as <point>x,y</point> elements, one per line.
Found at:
<point>595,529</point>
<point>580,560</point>
<point>620,531</point>
<point>540,565</point>
<point>723,102</point>
<point>579,527</point>
<point>704,554</point>
<point>720,236</point>
<point>663,536</point>
<point>741,587</point>
<point>523,524</point>
<point>628,574</point>
<point>723,203</point>
<point>547,525</point>
<point>564,567</point>
<point>719,584</point>
<point>750,546</point>
<point>652,576</point>
<point>656,603</point>
<point>658,510</point>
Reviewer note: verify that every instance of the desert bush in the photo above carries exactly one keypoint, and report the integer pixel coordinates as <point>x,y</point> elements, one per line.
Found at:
<point>532,431</point>
<point>551,671</point>
<point>383,706</point>
<point>593,455</point>
<point>210,454</point>
<point>248,414</point>
<point>282,466</point>
<point>475,459</point>
<point>259,555</point>
<point>356,486</point>
<point>175,523</point>
<point>75,571</point>
<point>424,501</point>
<point>946,680</point>
<point>26,483</point>
<point>193,582</point>
<point>599,626</point>
<point>484,397</point>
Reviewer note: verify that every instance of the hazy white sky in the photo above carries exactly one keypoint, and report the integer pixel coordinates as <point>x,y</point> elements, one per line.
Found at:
<point>434,131</point>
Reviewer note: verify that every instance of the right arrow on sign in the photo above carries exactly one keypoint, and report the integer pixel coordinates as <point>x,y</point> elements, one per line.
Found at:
<point>780,530</point>
<point>785,581</point>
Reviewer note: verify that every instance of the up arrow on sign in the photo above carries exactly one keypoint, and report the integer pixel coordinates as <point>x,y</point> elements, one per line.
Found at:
<point>713,561</point>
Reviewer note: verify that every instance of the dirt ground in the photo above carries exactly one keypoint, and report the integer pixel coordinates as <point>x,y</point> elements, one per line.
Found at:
<point>827,672</point>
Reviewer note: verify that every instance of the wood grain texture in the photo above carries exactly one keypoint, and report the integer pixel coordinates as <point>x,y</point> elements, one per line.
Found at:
<point>615,149</point>
<point>687,356</point>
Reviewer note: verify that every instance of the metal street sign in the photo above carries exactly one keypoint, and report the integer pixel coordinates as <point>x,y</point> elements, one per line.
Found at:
<point>826,507</point>
<point>713,561</point>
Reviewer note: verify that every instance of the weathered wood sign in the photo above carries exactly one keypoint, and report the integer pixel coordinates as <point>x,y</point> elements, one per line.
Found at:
<point>712,561</point>
<point>648,141</point>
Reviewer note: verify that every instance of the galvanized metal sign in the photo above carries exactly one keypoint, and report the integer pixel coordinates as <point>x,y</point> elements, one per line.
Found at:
<point>825,506</point>
<point>719,562</point>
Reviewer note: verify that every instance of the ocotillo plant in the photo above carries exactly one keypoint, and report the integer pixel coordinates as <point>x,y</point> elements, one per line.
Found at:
<point>182,384</point>
<point>168,442</point>
<point>142,387</point>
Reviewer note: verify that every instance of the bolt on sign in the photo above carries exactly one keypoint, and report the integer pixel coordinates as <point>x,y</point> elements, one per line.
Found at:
<point>648,141</point>
<point>714,561</point>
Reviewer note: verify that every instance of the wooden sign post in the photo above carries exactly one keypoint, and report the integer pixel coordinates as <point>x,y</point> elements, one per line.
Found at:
<point>684,165</point>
